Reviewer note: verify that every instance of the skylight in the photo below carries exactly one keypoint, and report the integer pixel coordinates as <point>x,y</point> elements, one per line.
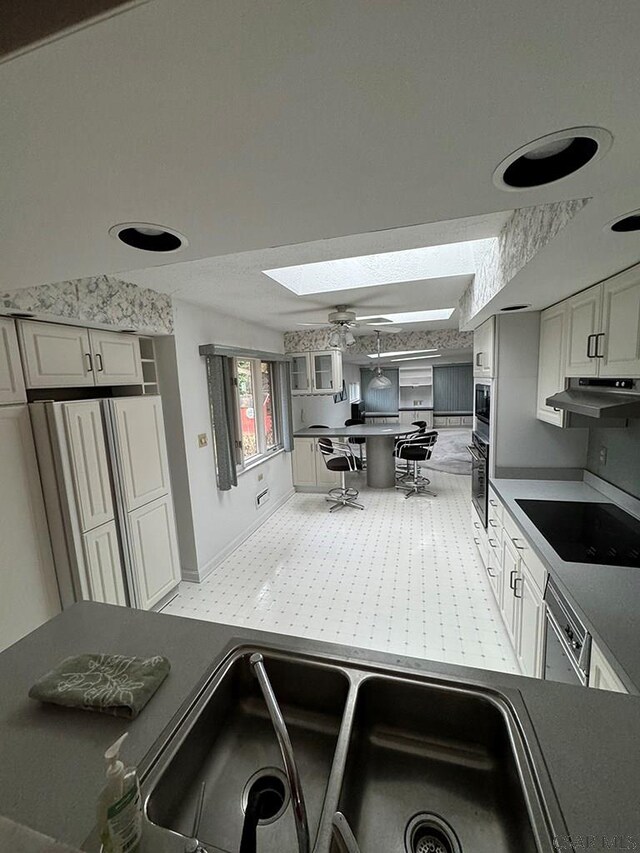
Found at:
<point>400,352</point>
<point>450,259</point>
<point>411,316</point>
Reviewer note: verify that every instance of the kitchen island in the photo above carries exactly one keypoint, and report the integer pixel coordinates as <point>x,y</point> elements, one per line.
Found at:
<point>52,766</point>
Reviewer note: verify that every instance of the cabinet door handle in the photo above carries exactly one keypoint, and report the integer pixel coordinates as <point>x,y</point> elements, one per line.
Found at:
<point>591,338</point>
<point>515,541</point>
<point>492,523</point>
<point>597,353</point>
<point>479,359</point>
<point>492,502</point>
<point>515,591</point>
<point>512,576</point>
<point>87,355</point>
<point>493,542</point>
<point>477,541</point>
<point>490,573</point>
<point>99,360</point>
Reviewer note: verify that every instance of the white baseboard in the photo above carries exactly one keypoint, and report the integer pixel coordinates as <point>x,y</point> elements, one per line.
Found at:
<point>205,571</point>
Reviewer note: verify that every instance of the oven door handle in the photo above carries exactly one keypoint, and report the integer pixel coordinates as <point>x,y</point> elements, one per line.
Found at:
<point>557,630</point>
<point>474,454</point>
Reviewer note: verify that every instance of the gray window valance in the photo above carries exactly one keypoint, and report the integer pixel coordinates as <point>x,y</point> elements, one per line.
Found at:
<point>222,405</point>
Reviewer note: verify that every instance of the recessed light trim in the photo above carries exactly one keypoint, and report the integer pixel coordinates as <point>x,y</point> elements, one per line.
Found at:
<point>626,223</point>
<point>516,307</point>
<point>551,158</point>
<point>401,352</point>
<point>148,237</point>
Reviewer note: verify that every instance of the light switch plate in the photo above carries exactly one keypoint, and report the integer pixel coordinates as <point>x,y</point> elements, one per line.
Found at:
<point>203,439</point>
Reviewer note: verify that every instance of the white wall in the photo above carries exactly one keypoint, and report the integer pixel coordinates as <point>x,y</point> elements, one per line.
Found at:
<point>215,522</point>
<point>308,409</point>
<point>520,440</point>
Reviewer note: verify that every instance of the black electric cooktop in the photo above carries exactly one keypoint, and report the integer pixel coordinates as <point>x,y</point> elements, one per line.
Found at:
<point>598,533</point>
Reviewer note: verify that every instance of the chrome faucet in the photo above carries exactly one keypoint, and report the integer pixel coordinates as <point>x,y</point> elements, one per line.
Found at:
<point>343,835</point>
<point>256,662</point>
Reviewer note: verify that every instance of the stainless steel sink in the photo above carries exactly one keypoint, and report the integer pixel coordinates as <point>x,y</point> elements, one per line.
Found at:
<point>415,763</point>
<point>231,745</point>
<point>433,768</point>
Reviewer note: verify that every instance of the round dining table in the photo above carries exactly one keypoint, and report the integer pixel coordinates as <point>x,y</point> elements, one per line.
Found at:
<point>380,441</point>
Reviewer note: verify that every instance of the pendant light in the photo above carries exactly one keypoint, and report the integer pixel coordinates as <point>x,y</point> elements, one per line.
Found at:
<point>379,380</point>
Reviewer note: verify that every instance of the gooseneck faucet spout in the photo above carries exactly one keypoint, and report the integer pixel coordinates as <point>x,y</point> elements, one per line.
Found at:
<point>284,741</point>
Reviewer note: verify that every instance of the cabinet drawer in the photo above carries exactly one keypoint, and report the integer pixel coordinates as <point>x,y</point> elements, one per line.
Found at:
<point>495,506</point>
<point>534,564</point>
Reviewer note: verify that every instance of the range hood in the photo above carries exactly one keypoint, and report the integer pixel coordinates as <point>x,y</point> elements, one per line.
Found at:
<point>599,398</point>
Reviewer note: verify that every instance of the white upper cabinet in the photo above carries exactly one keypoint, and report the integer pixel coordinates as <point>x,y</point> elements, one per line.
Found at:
<point>55,356</point>
<point>483,350</point>
<point>553,327</point>
<point>316,372</point>
<point>116,358</point>
<point>89,465</point>
<point>301,373</point>
<point>583,324</point>
<point>142,449</point>
<point>11,380</point>
<point>619,343</point>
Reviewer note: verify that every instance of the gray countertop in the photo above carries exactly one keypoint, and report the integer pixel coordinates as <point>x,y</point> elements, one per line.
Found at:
<point>51,767</point>
<point>355,431</point>
<point>606,597</point>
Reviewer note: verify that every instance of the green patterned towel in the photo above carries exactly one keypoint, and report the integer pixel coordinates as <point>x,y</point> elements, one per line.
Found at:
<point>112,684</point>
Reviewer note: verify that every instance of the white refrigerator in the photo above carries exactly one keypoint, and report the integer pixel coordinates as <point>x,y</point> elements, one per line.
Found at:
<point>105,475</point>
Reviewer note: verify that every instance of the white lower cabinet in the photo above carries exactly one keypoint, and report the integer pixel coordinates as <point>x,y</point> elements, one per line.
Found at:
<point>601,673</point>
<point>29,591</point>
<point>517,577</point>
<point>155,551</point>
<point>309,467</point>
<point>530,649</point>
<point>103,565</point>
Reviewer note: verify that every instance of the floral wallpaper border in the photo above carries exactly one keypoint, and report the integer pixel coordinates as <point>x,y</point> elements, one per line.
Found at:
<point>100,299</point>
<point>443,339</point>
<point>527,231</point>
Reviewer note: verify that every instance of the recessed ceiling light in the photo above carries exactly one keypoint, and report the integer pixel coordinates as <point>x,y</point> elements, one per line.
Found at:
<point>401,352</point>
<point>416,357</point>
<point>626,223</point>
<point>149,237</point>
<point>516,307</point>
<point>450,259</point>
<point>412,316</point>
<point>552,158</point>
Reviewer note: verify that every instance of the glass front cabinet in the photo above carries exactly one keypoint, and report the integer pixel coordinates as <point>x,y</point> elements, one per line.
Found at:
<point>316,372</point>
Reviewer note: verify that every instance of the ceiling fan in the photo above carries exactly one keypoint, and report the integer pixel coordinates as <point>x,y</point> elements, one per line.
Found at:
<point>342,320</point>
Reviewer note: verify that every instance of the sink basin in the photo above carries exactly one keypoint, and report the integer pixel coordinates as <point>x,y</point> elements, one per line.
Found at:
<point>230,743</point>
<point>429,765</point>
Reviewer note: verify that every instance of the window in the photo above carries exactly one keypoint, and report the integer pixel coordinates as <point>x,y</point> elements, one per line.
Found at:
<point>258,431</point>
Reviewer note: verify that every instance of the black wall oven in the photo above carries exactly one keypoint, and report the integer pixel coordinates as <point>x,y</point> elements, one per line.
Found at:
<point>479,450</point>
<point>482,409</point>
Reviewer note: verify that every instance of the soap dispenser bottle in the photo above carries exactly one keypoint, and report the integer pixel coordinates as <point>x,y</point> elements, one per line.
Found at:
<point>120,805</point>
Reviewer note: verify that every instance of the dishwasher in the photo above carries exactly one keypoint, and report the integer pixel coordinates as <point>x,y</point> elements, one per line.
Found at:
<point>567,641</point>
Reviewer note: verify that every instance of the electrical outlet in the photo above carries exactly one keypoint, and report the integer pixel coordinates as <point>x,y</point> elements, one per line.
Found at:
<point>203,440</point>
<point>603,454</point>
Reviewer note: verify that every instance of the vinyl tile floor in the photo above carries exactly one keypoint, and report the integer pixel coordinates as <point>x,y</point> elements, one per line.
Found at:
<point>402,576</point>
